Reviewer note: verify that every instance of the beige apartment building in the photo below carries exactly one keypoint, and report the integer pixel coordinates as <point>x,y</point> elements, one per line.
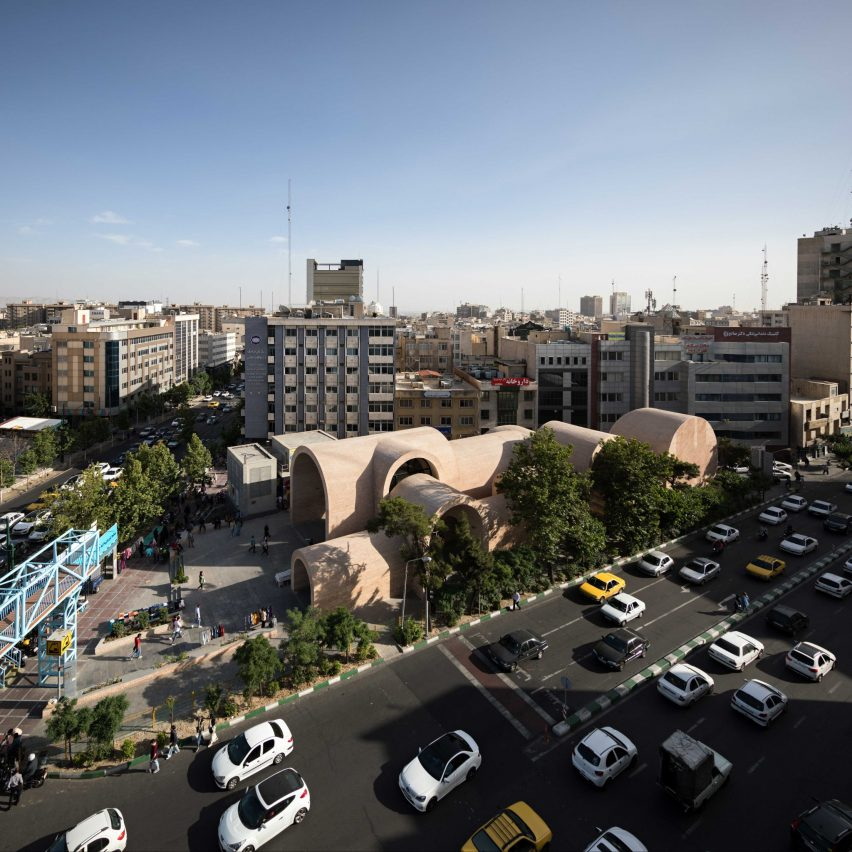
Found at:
<point>817,410</point>
<point>821,337</point>
<point>98,367</point>
<point>824,265</point>
<point>427,349</point>
<point>446,403</point>
<point>22,373</point>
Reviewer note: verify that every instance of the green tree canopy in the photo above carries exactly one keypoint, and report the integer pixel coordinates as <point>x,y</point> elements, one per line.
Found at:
<point>37,404</point>
<point>196,461</point>
<point>258,665</point>
<point>106,719</point>
<point>161,470</point>
<point>68,723</point>
<point>88,503</point>
<point>303,648</point>
<point>134,501</point>
<point>45,447</point>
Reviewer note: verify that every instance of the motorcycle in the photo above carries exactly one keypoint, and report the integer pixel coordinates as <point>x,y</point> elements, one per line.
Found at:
<point>718,546</point>
<point>35,772</point>
<point>763,535</point>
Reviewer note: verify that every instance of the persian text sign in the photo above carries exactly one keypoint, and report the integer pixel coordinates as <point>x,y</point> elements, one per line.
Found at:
<point>511,382</point>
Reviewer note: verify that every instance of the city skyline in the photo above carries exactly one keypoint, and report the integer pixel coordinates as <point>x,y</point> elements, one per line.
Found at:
<point>468,153</point>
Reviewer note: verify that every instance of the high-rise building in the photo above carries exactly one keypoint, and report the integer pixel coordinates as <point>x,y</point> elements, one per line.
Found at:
<point>331,369</point>
<point>824,266</point>
<point>23,373</point>
<point>186,346</point>
<point>591,306</point>
<point>329,282</point>
<point>468,311</point>
<point>619,304</point>
<point>216,348</point>
<point>821,337</point>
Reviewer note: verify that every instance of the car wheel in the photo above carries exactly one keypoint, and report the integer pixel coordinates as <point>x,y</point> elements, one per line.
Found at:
<point>430,805</point>
<point>633,761</point>
<point>471,774</point>
<point>232,783</point>
<point>621,667</point>
<point>300,816</point>
<point>248,849</point>
<point>278,758</point>
<point>819,677</point>
<point>605,784</point>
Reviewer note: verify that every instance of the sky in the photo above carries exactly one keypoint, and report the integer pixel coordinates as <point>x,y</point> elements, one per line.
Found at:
<point>504,153</point>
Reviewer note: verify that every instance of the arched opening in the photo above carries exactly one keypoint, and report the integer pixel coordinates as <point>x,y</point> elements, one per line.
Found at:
<point>300,583</point>
<point>409,468</point>
<point>452,517</point>
<point>308,501</point>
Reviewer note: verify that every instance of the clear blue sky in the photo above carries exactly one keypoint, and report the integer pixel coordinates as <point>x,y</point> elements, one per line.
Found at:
<point>465,150</point>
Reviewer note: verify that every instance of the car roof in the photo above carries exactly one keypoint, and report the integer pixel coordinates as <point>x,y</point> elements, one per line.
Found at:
<point>279,785</point>
<point>738,638</point>
<point>87,829</point>
<point>686,668</point>
<point>810,648</point>
<point>599,740</point>
<point>831,819</point>
<point>605,575</point>
<point>258,733</point>
<point>522,635</point>
<point>836,578</point>
<point>623,596</point>
<point>759,688</point>
<point>783,609</point>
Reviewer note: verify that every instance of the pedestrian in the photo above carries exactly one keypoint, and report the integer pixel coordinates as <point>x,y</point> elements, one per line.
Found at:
<point>177,628</point>
<point>252,546</point>
<point>212,730</point>
<point>174,745</point>
<point>825,469</point>
<point>137,647</point>
<point>266,547</point>
<point>516,601</point>
<point>154,763</point>
<point>199,732</point>
<point>197,615</point>
<point>200,579</point>
<point>202,527</point>
<point>238,526</point>
<point>266,531</point>
<point>190,538</point>
<point>233,528</point>
<point>14,786</point>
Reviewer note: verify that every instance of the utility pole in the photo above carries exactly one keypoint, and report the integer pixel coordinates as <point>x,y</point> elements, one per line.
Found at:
<point>764,280</point>
<point>289,252</point>
<point>674,291</point>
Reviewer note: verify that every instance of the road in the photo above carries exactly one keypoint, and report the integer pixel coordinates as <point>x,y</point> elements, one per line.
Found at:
<point>352,740</point>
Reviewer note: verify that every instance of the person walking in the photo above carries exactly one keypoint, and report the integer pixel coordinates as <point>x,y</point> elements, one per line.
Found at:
<point>200,579</point>
<point>137,647</point>
<point>266,531</point>
<point>252,545</point>
<point>238,526</point>
<point>177,628</point>
<point>266,547</point>
<point>199,732</point>
<point>174,745</point>
<point>190,538</point>
<point>516,601</point>
<point>14,786</point>
<point>197,615</point>
<point>212,729</point>
<point>154,764</point>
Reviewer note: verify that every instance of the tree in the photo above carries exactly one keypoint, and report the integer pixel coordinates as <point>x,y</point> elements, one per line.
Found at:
<point>107,716</point>
<point>7,473</point>
<point>733,455</point>
<point>258,665</point>
<point>161,470</point>
<point>196,461</point>
<point>27,462</point>
<point>44,447</point>
<point>340,630</point>
<point>134,501</point>
<point>37,404</point>
<point>90,502</point>
<point>302,650</point>
<point>186,416</point>
<point>68,723</point>
<point>549,498</point>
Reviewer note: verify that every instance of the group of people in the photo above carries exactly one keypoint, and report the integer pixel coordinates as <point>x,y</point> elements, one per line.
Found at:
<point>265,542</point>
<point>18,769</point>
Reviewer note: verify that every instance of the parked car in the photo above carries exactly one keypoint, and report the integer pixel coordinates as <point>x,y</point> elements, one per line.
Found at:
<point>438,769</point>
<point>104,831</point>
<point>723,533</point>
<point>781,465</point>
<point>655,563</point>
<point>848,488</point>
<point>263,745</point>
<point>798,544</point>
<point>684,684</point>
<point>113,474</point>
<point>825,826</point>
<point>515,648</point>
<point>9,520</point>
<point>759,701</point>
<point>838,522</point>
<point>765,567</point>
<point>810,660</point>
<point>517,827</point>
<point>265,811</point>
<point>847,566</point>
<point>24,527</point>
<point>39,532</point>
<point>735,650</point>
<point>787,620</point>
<point>616,839</point>
<point>794,503</point>
<point>772,515</point>
<point>780,473</point>
<point>603,585</point>
<point>700,570</point>
<point>619,647</point>
<point>623,608</point>
<point>602,755</point>
<point>822,508</point>
<point>834,585</point>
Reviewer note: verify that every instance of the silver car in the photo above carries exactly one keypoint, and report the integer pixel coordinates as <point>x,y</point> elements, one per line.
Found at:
<point>759,701</point>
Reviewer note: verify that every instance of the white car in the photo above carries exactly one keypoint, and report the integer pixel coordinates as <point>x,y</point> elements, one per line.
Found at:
<point>655,563</point>
<point>104,831</point>
<point>847,566</point>
<point>700,570</point>
<point>102,466</point>
<point>812,661</point>
<point>9,520</point>
<point>794,503</point>
<point>616,839</point>
<point>798,544</point>
<point>759,701</point>
<point>848,487</point>
<point>23,528</point>
<point>821,508</point>
<point>623,608</point>
<point>438,769</point>
<point>175,424</point>
<point>263,745</point>
<point>603,754</point>
<point>782,465</point>
<point>834,585</point>
<point>685,684</point>
<point>39,532</point>
<point>723,533</point>
<point>264,812</point>
<point>113,473</point>
<point>735,650</point>
<point>772,515</point>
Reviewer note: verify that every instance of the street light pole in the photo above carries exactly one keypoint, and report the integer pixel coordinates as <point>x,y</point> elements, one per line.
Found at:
<point>425,560</point>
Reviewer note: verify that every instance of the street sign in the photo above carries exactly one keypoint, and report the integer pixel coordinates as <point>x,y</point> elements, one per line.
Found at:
<point>566,682</point>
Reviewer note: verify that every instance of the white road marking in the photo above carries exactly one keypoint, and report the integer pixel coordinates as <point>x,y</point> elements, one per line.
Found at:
<point>799,721</point>
<point>755,765</point>
<point>637,770</point>
<point>552,674</point>
<point>516,724</point>
<point>580,659</point>
<point>690,730</point>
<point>680,606</point>
<point>512,685</point>
<point>567,624</point>
<point>685,588</point>
<point>693,827</point>
<point>727,600</point>
<point>834,687</point>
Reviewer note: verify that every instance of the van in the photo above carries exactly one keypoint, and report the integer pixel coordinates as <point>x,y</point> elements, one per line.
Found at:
<point>787,620</point>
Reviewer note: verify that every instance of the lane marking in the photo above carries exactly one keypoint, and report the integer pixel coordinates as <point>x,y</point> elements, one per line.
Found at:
<point>693,827</point>
<point>567,624</point>
<point>690,730</point>
<point>552,674</point>
<point>638,769</point>
<point>834,687</point>
<point>799,721</point>
<point>514,686</point>
<point>516,724</point>
<point>755,765</point>
<point>679,606</point>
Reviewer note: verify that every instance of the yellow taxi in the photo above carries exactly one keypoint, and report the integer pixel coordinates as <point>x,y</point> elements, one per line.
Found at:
<point>517,827</point>
<point>765,567</point>
<point>602,586</point>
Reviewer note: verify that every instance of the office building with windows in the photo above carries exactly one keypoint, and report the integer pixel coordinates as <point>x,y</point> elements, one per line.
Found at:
<point>330,282</point>
<point>591,306</point>
<point>824,266</point>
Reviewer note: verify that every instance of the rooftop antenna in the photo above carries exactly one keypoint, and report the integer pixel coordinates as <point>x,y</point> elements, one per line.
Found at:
<point>674,291</point>
<point>378,300</point>
<point>649,301</point>
<point>289,252</point>
<point>764,280</point>
<point>559,301</point>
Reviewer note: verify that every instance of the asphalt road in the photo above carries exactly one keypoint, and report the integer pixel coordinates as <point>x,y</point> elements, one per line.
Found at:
<point>352,740</point>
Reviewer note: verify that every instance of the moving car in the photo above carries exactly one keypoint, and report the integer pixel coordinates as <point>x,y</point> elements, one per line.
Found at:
<point>759,701</point>
<point>723,533</point>
<point>847,566</point>
<point>821,508</point>
<point>264,812</point>
<point>517,827</point>
<point>798,544</point>
<point>772,515</point>
<point>619,647</point>
<point>794,503</point>
<point>765,567</point>
<point>838,522</point>
<point>810,660</point>
<point>603,585</point>
<point>438,769</point>
<point>260,746</point>
<point>827,825</point>
<point>104,831</point>
<point>735,650</point>
<point>781,465</point>
<point>787,620</point>
<point>655,563</point>
<point>684,684</point>
<point>700,570</point>
<point>690,771</point>
<point>602,755</point>
<point>623,608</point>
<point>616,839</point>
<point>834,585</point>
<point>514,648</point>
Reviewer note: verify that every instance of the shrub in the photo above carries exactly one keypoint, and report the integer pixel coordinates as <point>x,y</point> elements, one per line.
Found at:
<point>83,759</point>
<point>128,749</point>
<point>180,577</point>
<point>162,740</point>
<point>119,629</point>
<point>143,619</point>
<point>409,632</point>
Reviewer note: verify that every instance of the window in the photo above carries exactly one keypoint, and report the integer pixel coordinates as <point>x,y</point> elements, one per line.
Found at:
<point>529,396</point>
<point>446,403</point>
<point>350,350</point>
<point>406,403</point>
<point>466,421</point>
<point>465,403</point>
<point>406,421</point>
<point>290,350</point>
<point>425,403</point>
<point>446,421</point>
<point>352,408</point>
<point>528,414</point>
<point>484,414</point>
<point>425,421</point>
<point>310,332</point>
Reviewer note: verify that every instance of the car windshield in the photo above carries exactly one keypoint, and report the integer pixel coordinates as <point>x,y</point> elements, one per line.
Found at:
<point>250,810</point>
<point>720,531</point>
<point>729,647</point>
<point>597,582</point>
<point>435,757</point>
<point>798,539</point>
<point>653,558</point>
<point>588,755</point>
<point>617,603</point>
<point>238,748</point>
<point>675,680</point>
<point>508,641</point>
<point>763,564</point>
<point>59,844</point>
<point>615,642</point>
<point>613,842</point>
<point>700,567</point>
